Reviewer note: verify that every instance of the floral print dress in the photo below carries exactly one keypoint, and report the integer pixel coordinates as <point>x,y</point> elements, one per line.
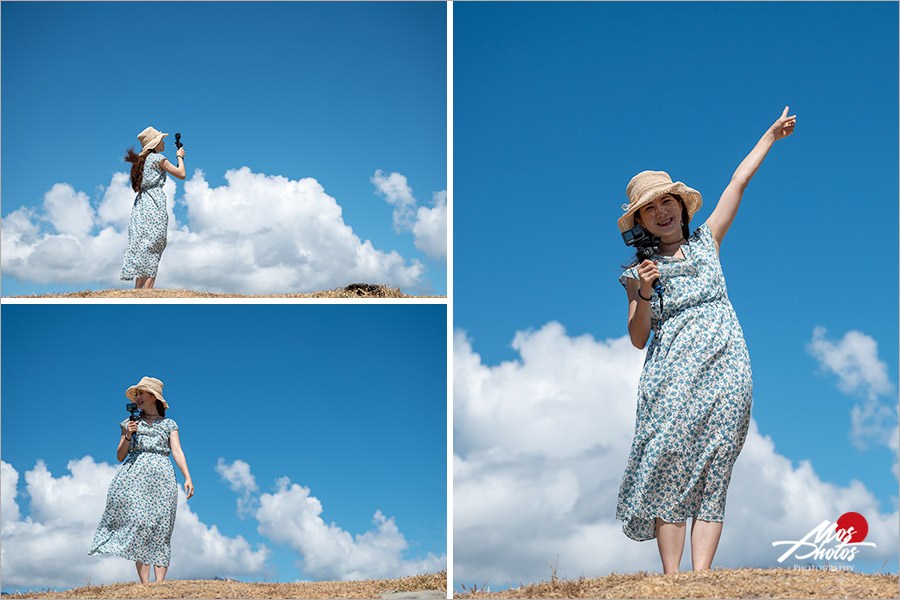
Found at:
<point>149,220</point>
<point>142,499</point>
<point>694,397</point>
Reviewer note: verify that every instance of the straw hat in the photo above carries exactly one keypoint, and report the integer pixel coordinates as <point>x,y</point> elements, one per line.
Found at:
<point>148,384</point>
<point>647,186</point>
<point>150,139</point>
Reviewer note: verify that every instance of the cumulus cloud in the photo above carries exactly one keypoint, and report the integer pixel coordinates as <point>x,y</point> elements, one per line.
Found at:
<point>49,547</point>
<point>9,507</point>
<point>540,447</point>
<point>69,211</point>
<point>854,360</point>
<point>241,480</point>
<point>428,225</point>
<point>398,194</point>
<point>255,234</point>
<point>292,516</point>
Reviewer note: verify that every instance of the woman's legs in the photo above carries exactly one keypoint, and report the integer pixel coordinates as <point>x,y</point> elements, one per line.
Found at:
<point>670,539</point>
<point>144,572</point>
<point>145,283</point>
<point>704,541</point>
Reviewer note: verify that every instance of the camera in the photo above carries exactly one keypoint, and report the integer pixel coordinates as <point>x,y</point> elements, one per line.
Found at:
<point>644,243</point>
<point>133,408</point>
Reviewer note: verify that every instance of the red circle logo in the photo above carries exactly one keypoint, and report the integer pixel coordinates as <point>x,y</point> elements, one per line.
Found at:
<point>860,528</point>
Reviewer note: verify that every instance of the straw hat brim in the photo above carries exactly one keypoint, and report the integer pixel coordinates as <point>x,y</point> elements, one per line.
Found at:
<point>153,143</point>
<point>133,390</point>
<point>692,201</point>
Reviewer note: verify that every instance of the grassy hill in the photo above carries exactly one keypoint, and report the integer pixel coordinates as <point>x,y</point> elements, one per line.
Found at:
<point>354,290</point>
<point>375,588</point>
<point>716,583</point>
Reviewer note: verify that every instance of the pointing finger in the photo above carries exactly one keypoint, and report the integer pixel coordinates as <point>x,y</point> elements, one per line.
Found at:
<point>784,113</point>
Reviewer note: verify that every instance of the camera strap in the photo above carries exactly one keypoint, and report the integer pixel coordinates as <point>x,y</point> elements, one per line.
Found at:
<point>659,291</point>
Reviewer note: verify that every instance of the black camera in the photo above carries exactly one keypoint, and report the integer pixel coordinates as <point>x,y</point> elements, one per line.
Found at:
<point>134,410</point>
<point>644,243</point>
<point>178,143</point>
<point>646,246</point>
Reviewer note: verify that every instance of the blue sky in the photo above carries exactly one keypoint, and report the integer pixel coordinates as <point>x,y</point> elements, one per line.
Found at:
<point>349,402</point>
<point>332,91</point>
<point>558,105</point>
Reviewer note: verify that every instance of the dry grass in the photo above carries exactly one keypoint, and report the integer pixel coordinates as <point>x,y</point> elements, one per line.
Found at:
<point>717,583</point>
<point>354,290</point>
<point>235,589</point>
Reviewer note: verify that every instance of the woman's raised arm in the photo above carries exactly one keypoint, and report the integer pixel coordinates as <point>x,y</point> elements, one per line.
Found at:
<point>723,215</point>
<point>171,169</point>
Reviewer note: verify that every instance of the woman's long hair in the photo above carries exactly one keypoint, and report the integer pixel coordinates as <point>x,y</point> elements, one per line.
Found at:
<point>160,408</point>
<point>137,167</point>
<point>685,230</point>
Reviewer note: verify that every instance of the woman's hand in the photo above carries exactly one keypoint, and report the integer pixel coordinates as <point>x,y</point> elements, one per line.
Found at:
<point>784,126</point>
<point>648,272</point>
<point>131,428</point>
<point>189,488</point>
<point>180,152</point>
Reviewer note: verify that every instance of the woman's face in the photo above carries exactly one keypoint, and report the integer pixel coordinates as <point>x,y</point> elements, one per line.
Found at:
<point>161,146</point>
<point>662,216</point>
<point>145,399</point>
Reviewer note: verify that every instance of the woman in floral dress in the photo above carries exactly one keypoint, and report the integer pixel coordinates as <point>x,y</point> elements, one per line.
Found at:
<point>695,390</point>
<point>143,496</point>
<point>149,218</point>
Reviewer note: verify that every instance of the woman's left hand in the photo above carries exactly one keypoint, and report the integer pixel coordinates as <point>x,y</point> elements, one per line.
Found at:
<point>784,126</point>
<point>189,488</point>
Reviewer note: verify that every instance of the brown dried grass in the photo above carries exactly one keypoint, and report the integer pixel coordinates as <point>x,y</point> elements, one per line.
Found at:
<point>354,290</point>
<point>716,583</point>
<point>235,589</point>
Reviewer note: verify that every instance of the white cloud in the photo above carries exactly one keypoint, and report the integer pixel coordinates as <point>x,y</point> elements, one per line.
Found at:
<point>854,359</point>
<point>292,516</point>
<point>9,507</point>
<point>428,225</point>
<point>69,211</point>
<point>200,551</point>
<point>398,194</point>
<point>540,447</point>
<point>255,234</point>
<point>237,475</point>
<point>45,258</point>
<point>49,547</point>
<point>241,480</point>
<point>430,228</point>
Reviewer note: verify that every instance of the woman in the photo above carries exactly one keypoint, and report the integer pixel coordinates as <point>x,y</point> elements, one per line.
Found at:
<point>695,389</point>
<point>149,218</point>
<point>140,505</point>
